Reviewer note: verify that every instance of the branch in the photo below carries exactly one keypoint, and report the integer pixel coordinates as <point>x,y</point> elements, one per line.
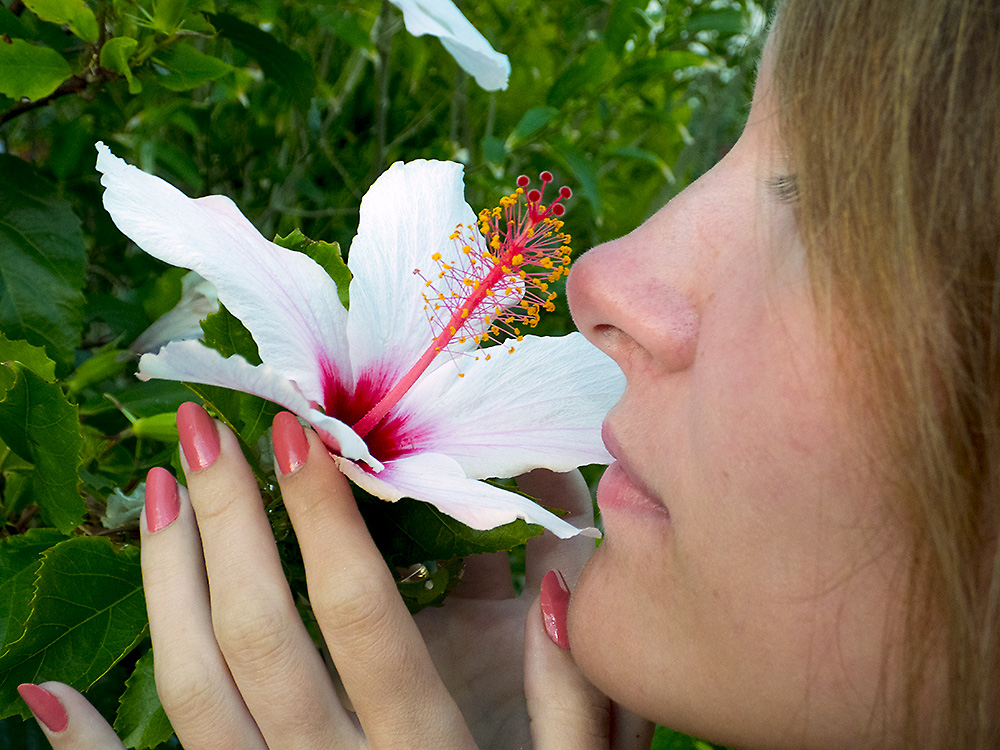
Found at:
<point>73,85</point>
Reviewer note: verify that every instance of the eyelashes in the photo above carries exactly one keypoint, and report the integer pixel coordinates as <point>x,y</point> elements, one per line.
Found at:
<point>784,187</point>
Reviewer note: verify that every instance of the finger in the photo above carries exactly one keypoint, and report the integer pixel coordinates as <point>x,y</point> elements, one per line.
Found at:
<point>379,653</point>
<point>565,710</point>
<point>271,656</point>
<point>67,719</point>
<point>192,678</point>
<point>569,492</point>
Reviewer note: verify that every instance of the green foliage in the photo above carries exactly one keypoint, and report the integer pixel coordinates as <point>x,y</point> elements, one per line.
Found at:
<point>142,722</point>
<point>87,612</point>
<point>292,110</point>
<point>41,427</point>
<point>30,71</point>
<point>42,262</point>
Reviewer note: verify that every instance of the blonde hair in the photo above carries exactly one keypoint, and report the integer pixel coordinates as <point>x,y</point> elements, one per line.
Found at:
<point>891,119</point>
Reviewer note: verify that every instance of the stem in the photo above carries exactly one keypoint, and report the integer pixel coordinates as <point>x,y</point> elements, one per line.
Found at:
<point>73,85</point>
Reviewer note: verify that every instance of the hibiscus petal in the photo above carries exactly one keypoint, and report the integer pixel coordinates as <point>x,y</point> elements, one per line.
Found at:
<point>407,216</point>
<point>540,406</point>
<point>440,481</point>
<point>286,299</point>
<point>199,299</point>
<point>193,362</point>
<point>441,18</point>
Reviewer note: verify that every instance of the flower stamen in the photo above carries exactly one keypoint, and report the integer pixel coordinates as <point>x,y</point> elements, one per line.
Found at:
<point>497,281</point>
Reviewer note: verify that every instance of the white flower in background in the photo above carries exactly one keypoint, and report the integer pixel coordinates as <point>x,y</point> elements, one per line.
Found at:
<point>470,49</point>
<point>398,387</point>
<point>199,299</point>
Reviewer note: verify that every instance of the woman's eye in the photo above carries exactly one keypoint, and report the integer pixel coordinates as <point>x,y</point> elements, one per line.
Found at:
<point>784,187</point>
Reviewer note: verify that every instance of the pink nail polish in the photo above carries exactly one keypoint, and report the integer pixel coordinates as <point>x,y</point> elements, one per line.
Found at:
<point>199,436</point>
<point>290,445</point>
<point>45,706</point>
<point>162,501</point>
<point>555,606</point>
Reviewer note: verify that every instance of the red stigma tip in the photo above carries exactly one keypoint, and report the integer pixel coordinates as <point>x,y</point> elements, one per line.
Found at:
<point>545,176</point>
<point>559,209</point>
<point>534,196</point>
<point>523,181</point>
<point>565,193</point>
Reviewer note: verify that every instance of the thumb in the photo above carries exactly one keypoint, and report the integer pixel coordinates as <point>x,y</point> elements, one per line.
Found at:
<point>564,709</point>
<point>67,718</point>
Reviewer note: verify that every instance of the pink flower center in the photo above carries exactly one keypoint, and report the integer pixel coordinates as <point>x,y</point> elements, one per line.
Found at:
<point>498,285</point>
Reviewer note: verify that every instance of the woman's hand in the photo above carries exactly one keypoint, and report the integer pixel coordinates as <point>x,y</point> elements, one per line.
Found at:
<point>236,668</point>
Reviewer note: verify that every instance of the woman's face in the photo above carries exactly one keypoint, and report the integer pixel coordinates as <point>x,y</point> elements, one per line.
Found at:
<point>750,575</point>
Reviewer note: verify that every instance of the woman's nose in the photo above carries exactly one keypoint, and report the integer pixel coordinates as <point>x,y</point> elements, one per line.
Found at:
<point>636,305</point>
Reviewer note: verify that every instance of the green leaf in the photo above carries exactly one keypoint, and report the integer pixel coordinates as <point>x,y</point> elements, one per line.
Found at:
<point>725,21</point>
<point>410,531</point>
<point>72,13</point>
<point>494,150</point>
<point>622,24</point>
<point>141,722</point>
<point>88,612</point>
<point>20,558</point>
<point>279,62</point>
<point>168,14</point>
<point>533,120</point>
<point>660,65</point>
<point>578,77</point>
<point>41,426</point>
<point>327,254</point>
<point>228,336</point>
<point>43,261</point>
<point>29,71</point>
<point>186,68</point>
<point>584,171</point>
<point>256,415</point>
<point>32,357</point>
<point>115,55</point>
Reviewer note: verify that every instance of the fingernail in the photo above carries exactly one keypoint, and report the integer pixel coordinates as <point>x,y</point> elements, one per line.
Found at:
<point>290,445</point>
<point>555,605</point>
<point>162,501</point>
<point>45,706</point>
<point>199,437</point>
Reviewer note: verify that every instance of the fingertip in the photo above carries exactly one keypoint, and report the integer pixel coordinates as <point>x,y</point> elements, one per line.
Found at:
<point>163,501</point>
<point>199,436</point>
<point>291,447</point>
<point>45,706</point>
<point>554,605</point>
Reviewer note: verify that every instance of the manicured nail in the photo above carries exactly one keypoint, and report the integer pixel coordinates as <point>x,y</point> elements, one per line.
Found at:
<point>290,445</point>
<point>45,706</point>
<point>555,605</point>
<point>162,501</point>
<point>199,437</point>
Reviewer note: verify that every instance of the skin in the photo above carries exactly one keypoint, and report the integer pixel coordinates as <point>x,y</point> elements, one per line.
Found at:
<point>749,585</point>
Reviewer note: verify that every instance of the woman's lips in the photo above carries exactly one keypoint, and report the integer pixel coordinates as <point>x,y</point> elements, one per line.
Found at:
<point>619,493</point>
